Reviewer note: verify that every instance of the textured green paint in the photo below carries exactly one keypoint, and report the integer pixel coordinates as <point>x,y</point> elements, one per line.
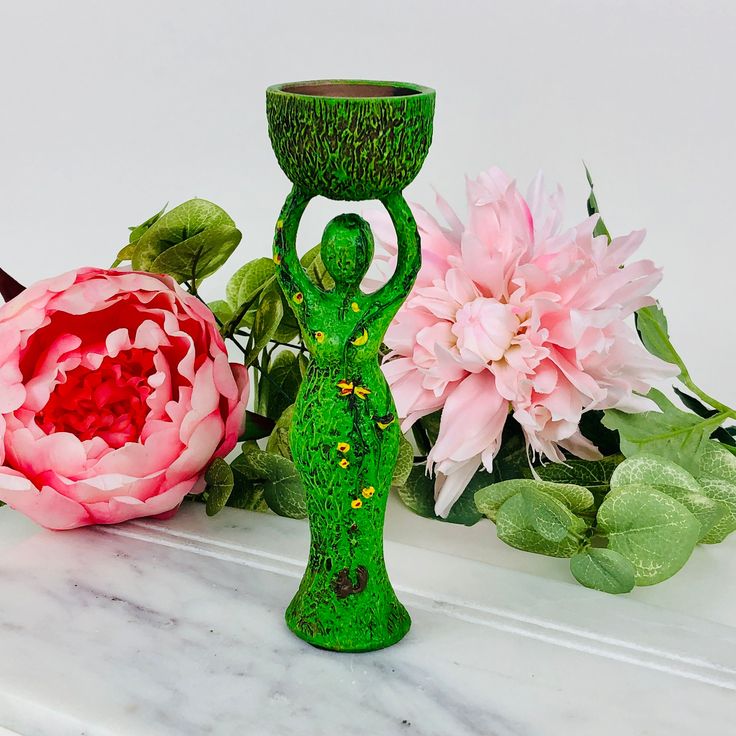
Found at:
<point>350,148</point>
<point>344,434</point>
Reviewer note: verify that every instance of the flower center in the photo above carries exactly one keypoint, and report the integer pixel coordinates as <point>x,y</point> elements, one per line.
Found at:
<point>485,327</point>
<point>109,402</point>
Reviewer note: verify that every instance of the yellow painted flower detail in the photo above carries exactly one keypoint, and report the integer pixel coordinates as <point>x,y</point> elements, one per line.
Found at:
<point>343,447</point>
<point>357,503</point>
<point>344,463</point>
<point>362,340</point>
<point>319,336</point>
<point>346,387</point>
<point>298,297</point>
<point>279,224</point>
<point>384,421</point>
<point>361,392</point>
<point>355,307</point>
<point>368,492</point>
<point>277,259</point>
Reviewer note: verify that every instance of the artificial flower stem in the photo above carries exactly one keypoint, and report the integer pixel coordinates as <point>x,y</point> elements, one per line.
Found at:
<point>727,411</point>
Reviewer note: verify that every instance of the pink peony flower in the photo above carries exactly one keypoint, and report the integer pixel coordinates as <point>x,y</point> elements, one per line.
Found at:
<point>512,314</point>
<point>115,394</point>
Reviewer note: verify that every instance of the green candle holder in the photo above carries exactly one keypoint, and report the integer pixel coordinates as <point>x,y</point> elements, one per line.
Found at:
<point>347,140</point>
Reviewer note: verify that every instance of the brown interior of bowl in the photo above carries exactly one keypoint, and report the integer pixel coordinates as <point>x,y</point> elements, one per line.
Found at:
<point>340,89</point>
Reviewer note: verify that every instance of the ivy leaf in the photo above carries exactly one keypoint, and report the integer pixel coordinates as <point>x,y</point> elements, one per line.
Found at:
<point>220,482</point>
<point>404,462</point>
<point>603,569</point>
<point>176,227</point>
<point>595,475</point>
<point>574,497</point>
<point>282,385</point>
<point>199,256</point>
<point>656,533</point>
<point>535,522</point>
<point>269,314</point>
<point>278,442</point>
<point>671,433</point>
<point>651,324</point>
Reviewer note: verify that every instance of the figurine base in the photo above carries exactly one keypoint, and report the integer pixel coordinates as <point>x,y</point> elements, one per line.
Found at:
<point>361,623</point>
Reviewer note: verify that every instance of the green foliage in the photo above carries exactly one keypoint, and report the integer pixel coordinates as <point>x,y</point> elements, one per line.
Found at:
<point>189,242</point>
<point>654,333</point>
<point>281,383</point>
<point>418,495</point>
<point>404,463</point>
<point>600,228</point>
<point>670,433</point>
<point>603,569</point>
<point>653,531</point>
<point>136,231</point>
<point>278,442</point>
<point>595,475</point>
<point>220,483</point>
<point>534,521</point>
<point>268,316</point>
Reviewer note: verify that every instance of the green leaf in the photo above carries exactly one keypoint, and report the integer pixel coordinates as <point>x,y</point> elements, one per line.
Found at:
<point>278,442</point>
<point>603,569</point>
<point>676,482</point>
<point>418,495</point>
<point>248,281</point>
<point>717,462</point>
<point>653,470</point>
<point>593,429</point>
<point>316,269</point>
<point>575,497</point>
<point>535,522</point>
<point>656,533</point>
<point>220,482</point>
<point>269,314</point>
<point>654,333</point>
<point>723,492</point>
<point>404,462</point>
<point>257,426</point>
<point>595,475</point>
<point>282,488</point>
<point>600,228</point>
<point>282,386</point>
<point>222,311</point>
<point>136,232</point>
<point>124,254</point>
<point>199,256</point>
<point>695,405</point>
<point>184,222</point>
<point>671,433</point>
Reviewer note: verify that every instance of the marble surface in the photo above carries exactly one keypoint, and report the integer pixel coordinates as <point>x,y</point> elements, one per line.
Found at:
<point>175,628</point>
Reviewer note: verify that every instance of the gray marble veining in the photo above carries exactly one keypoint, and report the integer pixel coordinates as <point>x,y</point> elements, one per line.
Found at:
<point>176,628</point>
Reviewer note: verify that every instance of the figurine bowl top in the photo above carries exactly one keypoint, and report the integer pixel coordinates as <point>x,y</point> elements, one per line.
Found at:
<point>350,139</point>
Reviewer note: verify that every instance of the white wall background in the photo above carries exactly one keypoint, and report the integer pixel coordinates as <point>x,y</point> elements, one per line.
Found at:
<point>108,110</point>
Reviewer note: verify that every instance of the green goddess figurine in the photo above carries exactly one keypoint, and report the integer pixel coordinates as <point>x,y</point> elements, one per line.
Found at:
<point>347,140</point>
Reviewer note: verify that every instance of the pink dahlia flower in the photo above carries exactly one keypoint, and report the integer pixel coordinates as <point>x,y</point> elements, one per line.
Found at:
<point>115,394</point>
<point>511,314</point>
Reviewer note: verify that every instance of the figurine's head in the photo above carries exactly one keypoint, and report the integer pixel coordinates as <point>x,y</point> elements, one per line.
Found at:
<point>347,249</point>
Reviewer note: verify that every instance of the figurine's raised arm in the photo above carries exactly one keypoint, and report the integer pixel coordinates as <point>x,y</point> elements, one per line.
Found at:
<point>409,259</point>
<point>289,271</point>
